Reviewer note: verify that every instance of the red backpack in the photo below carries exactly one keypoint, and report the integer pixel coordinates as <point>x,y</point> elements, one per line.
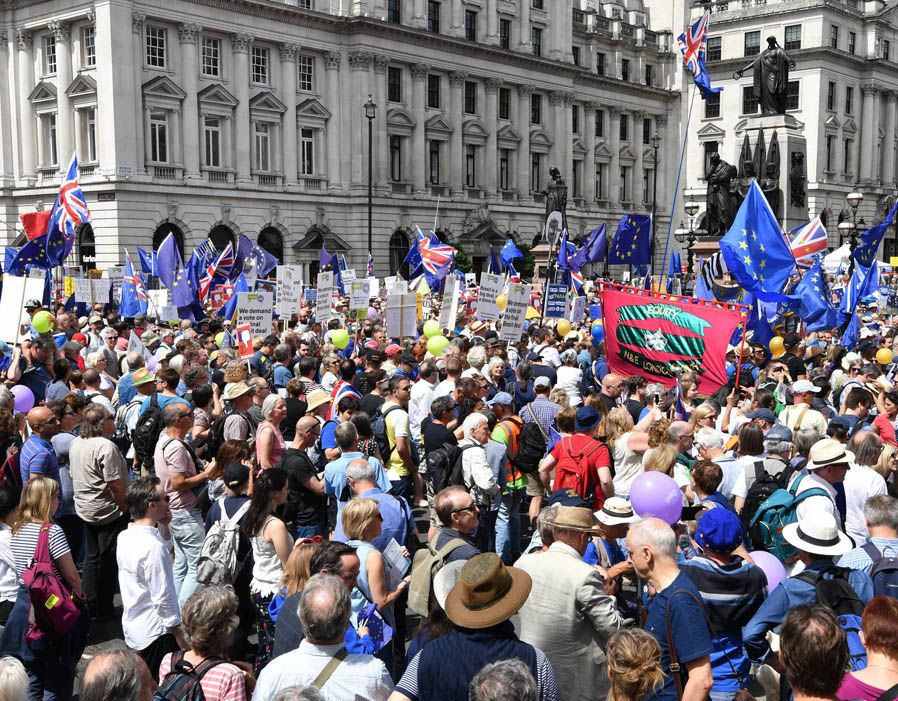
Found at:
<point>572,470</point>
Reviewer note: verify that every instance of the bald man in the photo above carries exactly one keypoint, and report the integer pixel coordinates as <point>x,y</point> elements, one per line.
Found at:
<point>306,503</point>
<point>37,456</point>
<point>612,388</point>
<point>118,675</point>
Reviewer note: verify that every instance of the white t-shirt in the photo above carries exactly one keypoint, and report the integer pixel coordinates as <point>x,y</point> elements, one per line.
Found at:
<point>569,380</point>
<point>751,467</point>
<point>627,465</point>
<point>861,483</point>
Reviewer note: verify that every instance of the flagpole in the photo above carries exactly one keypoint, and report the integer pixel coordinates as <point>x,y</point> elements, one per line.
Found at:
<point>679,171</point>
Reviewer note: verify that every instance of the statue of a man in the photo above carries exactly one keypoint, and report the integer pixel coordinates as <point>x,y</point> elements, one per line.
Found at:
<point>720,204</point>
<point>770,186</point>
<point>770,71</point>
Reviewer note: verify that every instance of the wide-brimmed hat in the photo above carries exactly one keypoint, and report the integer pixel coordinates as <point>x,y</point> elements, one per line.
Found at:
<point>141,376</point>
<point>615,511</point>
<point>445,580</point>
<point>237,389</point>
<point>817,533</point>
<point>587,418</point>
<point>487,592</point>
<point>850,358</point>
<point>825,453</point>
<point>316,398</point>
<point>573,518</point>
<point>149,338</point>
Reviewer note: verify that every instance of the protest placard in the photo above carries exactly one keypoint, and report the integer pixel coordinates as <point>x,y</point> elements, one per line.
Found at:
<point>490,288</point>
<point>359,295</point>
<point>168,312</point>
<point>16,291</point>
<point>116,275</point>
<point>254,308</point>
<point>578,308</point>
<point>244,334</point>
<point>348,275</point>
<point>373,287</point>
<point>219,296</point>
<point>325,293</point>
<point>401,314</point>
<point>556,301</point>
<point>449,310</point>
<point>289,289</point>
<point>470,280</point>
<point>516,305</point>
<point>158,299</point>
<point>91,290</point>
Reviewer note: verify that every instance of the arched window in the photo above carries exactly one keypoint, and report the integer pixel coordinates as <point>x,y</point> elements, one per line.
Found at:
<point>87,252</point>
<point>270,239</point>
<point>221,236</point>
<point>399,246</point>
<point>164,230</point>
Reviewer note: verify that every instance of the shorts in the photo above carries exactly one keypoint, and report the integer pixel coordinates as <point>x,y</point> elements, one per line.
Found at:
<point>535,487</point>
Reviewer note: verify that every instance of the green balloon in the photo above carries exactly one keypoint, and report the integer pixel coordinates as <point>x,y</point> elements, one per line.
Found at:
<point>219,338</point>
<point>340,338</point>
<point>431,328</point>
<point>436,345</point>
<point>41,321</point>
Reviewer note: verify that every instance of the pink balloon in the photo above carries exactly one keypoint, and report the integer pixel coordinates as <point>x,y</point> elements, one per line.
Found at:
<point>24,398</point>
<point>372,312</point>
<point>656,494</point>
<point>772,567</point>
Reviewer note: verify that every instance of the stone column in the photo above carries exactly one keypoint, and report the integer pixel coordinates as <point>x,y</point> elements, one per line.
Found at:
<point>558,130</point>
<point>877,151</point>
<point>382,136</point>
<point>190,114</point>
<point>491,157</point>
<point>288,95</point>
<point>639,165</point>
<point>523,43</point>
<point>456,143</point>
<point>555,33</point>
<point>458,19</point>
<point>65,128</point>
<point>25,44</point>
<point>492,23</point>
<point>141,157</point>
<point>667,156</point>
<point>523,186</point>
<point>332,92</point>
<point>567,138</point>
<point>177,133</point>
<point>614,144</point>
<point>419,21</point>
<point>589,161</point>
<point>242,153</point>
<point>888,173</point>
<point>868,137</point>
<point>419,147</point>
<point>7,176</point>
<point>359,62</point>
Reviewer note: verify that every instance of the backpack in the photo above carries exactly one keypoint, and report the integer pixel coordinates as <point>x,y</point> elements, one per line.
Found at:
<point>10,473</point>
<point>146,433</point>
<point>532,445</point>
<point>760,491</point>
<point>777,511</point>
<point>52,609</point>
<point>427,562</point>
<point>571,471</point>
<point>218,563</point>
<point>839,595</point>
<point>443,466</point>
<point>884,572</point>
<point>316,452</point>
<point>216,431</point>
<point>182,683</point>
<point>379,429</point>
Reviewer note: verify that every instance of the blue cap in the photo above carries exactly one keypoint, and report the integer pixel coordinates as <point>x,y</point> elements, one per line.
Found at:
<point>567,496</point>
<point>503,398</point>
<point>587,418</point>
<point>719,530</point>
<point>764,415</point>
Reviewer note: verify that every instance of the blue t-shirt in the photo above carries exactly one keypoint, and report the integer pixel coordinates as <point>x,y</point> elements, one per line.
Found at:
<point>328,440</point>
<point>282,376</point>
<point>126,389</point>
<point>688,629</point>
<point>37,379</point>
<point>163,402</point>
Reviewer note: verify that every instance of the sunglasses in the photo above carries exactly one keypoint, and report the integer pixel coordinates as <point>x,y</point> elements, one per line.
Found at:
<point>165,498</point>
<point>470,507</point>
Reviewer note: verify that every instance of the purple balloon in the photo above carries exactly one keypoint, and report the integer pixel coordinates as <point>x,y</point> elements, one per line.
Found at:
<point>24,398</point>
<point>372,312</point>
<point>772,567</point>
<point>153,364</point>
<point>656,494</point>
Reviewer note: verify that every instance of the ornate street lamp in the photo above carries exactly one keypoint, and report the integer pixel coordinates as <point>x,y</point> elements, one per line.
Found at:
<point>854,199</point>
<point>370,114</point>
<point>656,144</point>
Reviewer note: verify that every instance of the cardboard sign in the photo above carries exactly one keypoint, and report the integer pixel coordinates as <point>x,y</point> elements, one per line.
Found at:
<point>168,312</point>
<point>289,289</point>
<point>116,275</point>
<point>219,296</point>
<point>374,287</point>
<point>359,295</point>
<point>16,291</point>
<point>470,280</point>
<point>325,293</point>
<point>515,312</point>
<point>90,290</point>
<point>490,288</point>
<point>348,275</point>
<point>254,308</point>
<point>556,301</point>
<point>244,335</point>
<point>578,308</point>
<point>402,315</point>
<point>158,299</point>
<point>449,310</point>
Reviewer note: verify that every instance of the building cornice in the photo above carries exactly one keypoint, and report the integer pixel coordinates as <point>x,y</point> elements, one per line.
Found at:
<point>827,56</point>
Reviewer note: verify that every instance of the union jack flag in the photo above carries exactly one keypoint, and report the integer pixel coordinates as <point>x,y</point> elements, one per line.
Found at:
<point>513,275</point>
<point>69,212</point>
<point>370,270</point>
<point>226,262</point>
<point>134,279</point>
<point>342,389</point>
<point>679,406</point>
<point>693,44</point>
<point>206,281</point>
<point>437,257</point>
<point>806,241</point>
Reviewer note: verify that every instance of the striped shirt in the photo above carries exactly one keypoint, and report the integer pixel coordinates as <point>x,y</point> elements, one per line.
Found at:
<point>37,457</point>
<point>24,543</point>
<point>224,682</point>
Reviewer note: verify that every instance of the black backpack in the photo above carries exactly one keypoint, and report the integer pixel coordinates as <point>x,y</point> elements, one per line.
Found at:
<point>216,432</point>
<point>444,467</point>
<point>761,489</point>
<point>884,572</point>
<point>182,683</point>
<point>146,434</point>
<point>316,452</point>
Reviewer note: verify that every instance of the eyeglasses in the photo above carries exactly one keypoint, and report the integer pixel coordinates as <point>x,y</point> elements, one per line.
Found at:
<point>470,507</point>
<point>68,413</point>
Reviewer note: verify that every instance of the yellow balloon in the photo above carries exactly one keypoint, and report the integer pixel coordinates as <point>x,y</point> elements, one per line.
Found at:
<point>501,300</point>
<point>884,356</point>
<point>776,346</point>
<point>563,327</point>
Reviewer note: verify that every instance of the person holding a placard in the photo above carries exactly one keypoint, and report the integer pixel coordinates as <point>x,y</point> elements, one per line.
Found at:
<point>31,366</point>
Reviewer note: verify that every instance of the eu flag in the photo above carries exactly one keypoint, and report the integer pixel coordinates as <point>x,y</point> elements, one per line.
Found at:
<point>33,253</point>
<point>252,258</point>
<point>494,267</point>
<point>169,260</point>
<point>755,250</point>
<point>632,242</point>
<point>863,282</point>
<point>134,297</point>
<point>593,249</point>
<point>148,262</point>
<point>566,253</point>
<point>865,254</point>
<point>509,253</point>
<point>815,305</point>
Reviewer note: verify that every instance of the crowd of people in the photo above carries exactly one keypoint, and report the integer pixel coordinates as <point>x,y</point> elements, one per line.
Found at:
<point>363,520</point>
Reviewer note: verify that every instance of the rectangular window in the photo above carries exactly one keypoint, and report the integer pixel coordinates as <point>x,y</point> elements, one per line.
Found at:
<point>710,148</point>
<point>852,42</point>
<point>600,124</point>
<point>714,51</point>
<point>211,57</point>
<point>600,181</point>
<point>624,127</point>
<point>647,130</point>
<point>90,132</point>
<point>159,137</point>
<point>470,97</point>
<point>394,84</point>
<point>831,96</point>
<point>394,14</point>
<point>503,169</point>
<point>51,151</point>
<point>433,91</point>
<point>89,45</point>
<point>575,178</point>
<point>536,40</point>
<point>504,103</point>
<point>749,101</point>
<point>536,109</point>
<point>625,69</point>
<point>538,4</point>
<point>792,95</point>
<point>600,64</point>
<point>305,4</point>
<point>833,36</point>
<point>504,33</point>
<point>535,179</point>
<point>434,162</point>
<point>830,143</point>
<point>155,46</point>
<point>646,179</point>
<point>575,119</point>
<point>260,65</point>
<point>846,159</point>
<point>49,55</point>
<point>648,74</point>
<point>470,25</point>
<point>712,106</point>
<point>305,73</point>
<point>886,46</point>
<point>396,158</point>
<point>433,16</point>
<point>575,52</point>
<point>212,133</point>
<point>752,43</point>
<point>849,100</point>
<point>470,166</point>
<point>624,189</point>
<point>307,151</point>
<point>263,146</point>
<point>792,38</point>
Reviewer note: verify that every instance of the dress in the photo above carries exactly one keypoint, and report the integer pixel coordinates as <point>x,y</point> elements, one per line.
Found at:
<point>267,575</point>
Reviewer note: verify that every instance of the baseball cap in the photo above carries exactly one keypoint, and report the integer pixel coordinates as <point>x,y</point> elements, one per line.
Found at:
<point>392,349</point>
<point>408,358</point>
<point>719,530</point>
<point>503,398</point>
<point>80,337</point>
<point>235,474</point>
<point>804,386</point>
<point>764,415</point>
<point>779,432</point>
<point>791,339</point>
<point>542,382</point>
<point>566,496</point>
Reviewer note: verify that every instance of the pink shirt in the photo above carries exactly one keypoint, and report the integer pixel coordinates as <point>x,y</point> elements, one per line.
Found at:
<point>277,447</point>
<point>853,688</point>
<point>224,682</point>
<point>171,456</point>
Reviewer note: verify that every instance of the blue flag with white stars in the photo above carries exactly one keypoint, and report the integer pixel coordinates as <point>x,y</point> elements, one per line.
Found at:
<point>633,240</point>
<point>755,250</point>
<point>865,254</point>
<point>815,301</point>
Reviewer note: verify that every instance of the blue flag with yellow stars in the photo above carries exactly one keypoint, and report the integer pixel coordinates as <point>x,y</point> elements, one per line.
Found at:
<point>755,249</point>
<point>633,240</point>
<point>814,299</point>
<point>33,253</point>
<point>865,254</point>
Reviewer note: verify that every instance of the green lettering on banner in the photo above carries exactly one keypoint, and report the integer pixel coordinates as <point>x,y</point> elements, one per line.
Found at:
<point>660,369</point>
<point>641,312</point>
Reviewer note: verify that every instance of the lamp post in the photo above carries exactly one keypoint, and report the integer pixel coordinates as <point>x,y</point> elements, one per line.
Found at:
<point>689,237</point>
<point>854,200</point>
<point>370,113</point>
<point>656,144</point>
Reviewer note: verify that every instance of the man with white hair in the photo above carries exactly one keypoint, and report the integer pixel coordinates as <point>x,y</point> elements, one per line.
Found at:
<point>476,360</point>
<point>478,477</point>
<point>673,615</point>
<point>709,443</point>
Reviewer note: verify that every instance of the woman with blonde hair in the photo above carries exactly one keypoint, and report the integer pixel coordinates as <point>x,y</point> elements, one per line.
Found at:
<point>558,396</point>
<point>270,444</point>
<point>51,660</point>
<point>634,665</point>
<point>662,459</point>
<point>627,444</point>
<point>330,371</point>
<point>704,416</point>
